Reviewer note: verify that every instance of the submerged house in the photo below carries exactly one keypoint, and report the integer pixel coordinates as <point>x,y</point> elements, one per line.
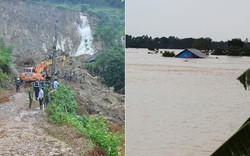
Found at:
<point>191,53</point>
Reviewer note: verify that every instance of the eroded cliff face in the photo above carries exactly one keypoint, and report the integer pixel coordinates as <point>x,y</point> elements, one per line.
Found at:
<point>30,27</point>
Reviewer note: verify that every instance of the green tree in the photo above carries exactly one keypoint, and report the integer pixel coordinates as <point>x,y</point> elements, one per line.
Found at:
<point>115,73</point>
<point>110,62</point>
<point>235,47</point>
<point>202,44</point>
<point>5,60</point>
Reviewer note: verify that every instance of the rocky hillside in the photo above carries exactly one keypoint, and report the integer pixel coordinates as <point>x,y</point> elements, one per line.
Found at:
<point>30,27</point>
<point>92,96</point>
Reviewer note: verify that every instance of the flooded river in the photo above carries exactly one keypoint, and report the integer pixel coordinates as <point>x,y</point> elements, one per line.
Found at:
<point>180,108</point>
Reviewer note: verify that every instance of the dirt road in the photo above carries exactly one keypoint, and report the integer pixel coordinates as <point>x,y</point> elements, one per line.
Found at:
<point>22,130</point>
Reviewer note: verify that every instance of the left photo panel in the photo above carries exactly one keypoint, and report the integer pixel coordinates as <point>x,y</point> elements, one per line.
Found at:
<point>62,77</point>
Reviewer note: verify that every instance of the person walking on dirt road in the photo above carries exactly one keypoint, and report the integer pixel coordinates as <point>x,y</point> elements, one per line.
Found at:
<point>30,97</point>
<point>36,88</point>
<point>46,95</point>
<point>40,98</point>
<point>18,83</point>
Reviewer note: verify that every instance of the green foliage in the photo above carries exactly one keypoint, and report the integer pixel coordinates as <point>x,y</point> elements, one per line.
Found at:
<point>111,67</point>
<point>219,51</point>
<point>62,104</point>
<point>5,60</point>
<point>94,3</point>
<point>202,44</point>
<point>4,77</point>
<point>85,8</point>
<point>60,6</point>
<point>115,73</point>
<point>245,78</point>
<point>108,31</point>
<point>168,54</point>
<point>62,110</point>
<point>151,48</point>
<point>238,144</point>
<point>110,63</point>
<point>97,130</point>
<point>234,47</point>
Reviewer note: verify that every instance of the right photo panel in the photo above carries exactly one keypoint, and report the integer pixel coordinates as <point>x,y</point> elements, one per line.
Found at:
<point>187,78</point>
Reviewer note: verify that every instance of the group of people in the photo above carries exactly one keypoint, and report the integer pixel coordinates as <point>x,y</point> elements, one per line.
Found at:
<point>41,90</point>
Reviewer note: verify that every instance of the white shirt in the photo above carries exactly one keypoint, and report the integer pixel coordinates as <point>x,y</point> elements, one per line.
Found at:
<point>40,94</point>
<point>55,85</point>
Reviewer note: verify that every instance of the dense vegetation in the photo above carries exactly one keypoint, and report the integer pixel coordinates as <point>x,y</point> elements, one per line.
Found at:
<point>105,3</point>
<point>5,61</point>
<point>62,111</point>
<point>168,54</point>
<point>110,63</point>
<point>109,31</point>
<point>235,47</point>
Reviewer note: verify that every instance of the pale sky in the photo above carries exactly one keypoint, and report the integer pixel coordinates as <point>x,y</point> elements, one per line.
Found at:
<point>218,19</point>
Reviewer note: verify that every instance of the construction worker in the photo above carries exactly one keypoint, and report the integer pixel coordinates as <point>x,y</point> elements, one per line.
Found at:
<point>40,97</point>
<point>18,83</point>
<point>30,97</point>
<point>46,95</point>
<point>42,83</point>
<point>43,74</point>
<point>36,88</point>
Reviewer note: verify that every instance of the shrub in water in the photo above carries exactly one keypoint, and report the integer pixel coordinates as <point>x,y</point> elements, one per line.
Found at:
<point>168,54</point>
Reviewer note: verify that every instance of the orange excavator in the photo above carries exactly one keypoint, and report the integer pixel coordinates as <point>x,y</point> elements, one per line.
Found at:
<point>40,72</point>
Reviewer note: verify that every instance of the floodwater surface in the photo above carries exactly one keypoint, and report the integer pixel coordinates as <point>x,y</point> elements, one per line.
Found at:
<point>180,108</point>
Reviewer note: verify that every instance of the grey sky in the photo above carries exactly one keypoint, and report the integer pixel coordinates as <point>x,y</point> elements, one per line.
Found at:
<point>218,19</point>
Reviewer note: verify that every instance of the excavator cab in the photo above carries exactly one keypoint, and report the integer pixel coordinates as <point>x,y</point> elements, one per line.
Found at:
<point>30,74</point>
<point>29,71</point>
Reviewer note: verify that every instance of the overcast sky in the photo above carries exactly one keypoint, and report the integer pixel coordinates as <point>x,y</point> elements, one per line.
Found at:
<point>218,19</point>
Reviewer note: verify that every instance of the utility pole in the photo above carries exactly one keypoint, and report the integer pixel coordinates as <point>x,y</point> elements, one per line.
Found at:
<point>54,57</point>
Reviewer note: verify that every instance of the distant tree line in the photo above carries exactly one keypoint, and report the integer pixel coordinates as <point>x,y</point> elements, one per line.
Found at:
<point>234,47</point>
<point>110,3</point>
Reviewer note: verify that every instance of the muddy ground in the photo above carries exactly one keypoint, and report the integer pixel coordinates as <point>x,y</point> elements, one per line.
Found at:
<point>25,131</point>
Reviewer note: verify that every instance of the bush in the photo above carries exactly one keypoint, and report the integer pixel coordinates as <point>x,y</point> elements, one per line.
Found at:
<point>110,63</point>
<point>62,110</point>
<point>219,51</point>
<point>168,54</point>
<point>111,67</point>
<point>97,130</point>
<point>5,60</point>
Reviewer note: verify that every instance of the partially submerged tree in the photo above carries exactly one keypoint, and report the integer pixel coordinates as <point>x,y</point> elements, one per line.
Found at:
<point>245,79</point>
<point>239,143</point>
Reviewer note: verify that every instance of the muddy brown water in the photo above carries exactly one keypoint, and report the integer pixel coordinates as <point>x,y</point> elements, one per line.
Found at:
<point>182,108</point>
